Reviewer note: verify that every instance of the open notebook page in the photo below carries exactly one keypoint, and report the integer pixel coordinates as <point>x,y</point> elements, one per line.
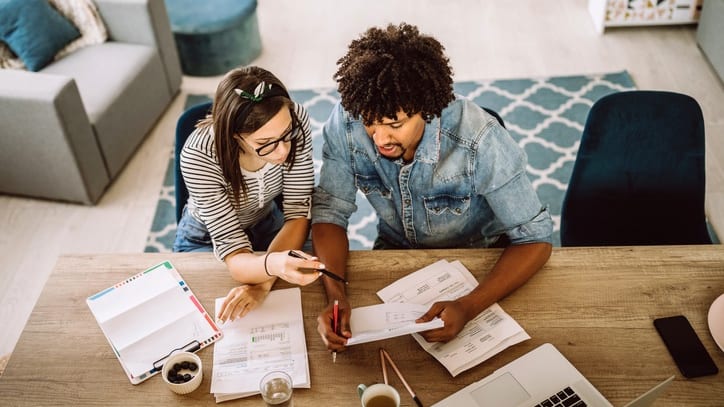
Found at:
<point>148,316</point>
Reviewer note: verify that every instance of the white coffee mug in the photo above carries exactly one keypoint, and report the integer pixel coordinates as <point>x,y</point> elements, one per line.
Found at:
<point>378,395</point>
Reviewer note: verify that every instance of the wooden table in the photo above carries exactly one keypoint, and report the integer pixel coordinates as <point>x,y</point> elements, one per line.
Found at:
<point>595,304</point>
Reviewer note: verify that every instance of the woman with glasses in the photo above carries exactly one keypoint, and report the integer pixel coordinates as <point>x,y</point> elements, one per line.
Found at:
<point>248,168</point>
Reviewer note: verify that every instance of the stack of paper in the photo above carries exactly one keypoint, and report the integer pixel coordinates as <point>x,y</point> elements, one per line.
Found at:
<point>482,337</point>
<point>270,337</point>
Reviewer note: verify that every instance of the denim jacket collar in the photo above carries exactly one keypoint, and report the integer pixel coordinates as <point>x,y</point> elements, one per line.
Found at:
<point>428,150</point>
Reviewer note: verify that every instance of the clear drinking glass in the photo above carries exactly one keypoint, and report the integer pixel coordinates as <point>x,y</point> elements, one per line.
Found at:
<point>276,389</point>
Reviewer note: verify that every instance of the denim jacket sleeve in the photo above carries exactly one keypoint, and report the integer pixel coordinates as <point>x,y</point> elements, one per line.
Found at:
<point>501,177</point>
<point>333,200</point>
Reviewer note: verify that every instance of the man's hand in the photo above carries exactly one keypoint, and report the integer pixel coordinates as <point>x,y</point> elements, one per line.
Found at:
<point>335,341</point>
<point>452,313</point>
<point>242,299</point>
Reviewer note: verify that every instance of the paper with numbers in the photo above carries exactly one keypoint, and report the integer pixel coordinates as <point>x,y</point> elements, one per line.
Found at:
<point>383,321</point>
<point>270,337</point>
<point>484,336</point>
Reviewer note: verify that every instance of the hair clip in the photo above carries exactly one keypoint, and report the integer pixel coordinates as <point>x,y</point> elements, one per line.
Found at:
<point>259,92</point>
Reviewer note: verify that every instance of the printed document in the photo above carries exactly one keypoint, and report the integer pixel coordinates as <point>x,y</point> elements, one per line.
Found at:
<point>482,337</point>
<point>270,337</point>
<point>382,321</point>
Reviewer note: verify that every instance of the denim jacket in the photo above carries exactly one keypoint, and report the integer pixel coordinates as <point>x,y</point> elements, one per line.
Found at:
<point>465,187</point>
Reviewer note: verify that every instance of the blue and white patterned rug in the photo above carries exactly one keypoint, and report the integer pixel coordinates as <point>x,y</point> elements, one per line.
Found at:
<point>544,115</point>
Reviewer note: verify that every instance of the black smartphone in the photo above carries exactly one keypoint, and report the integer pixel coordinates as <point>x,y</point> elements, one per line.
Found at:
<point>685,347</point>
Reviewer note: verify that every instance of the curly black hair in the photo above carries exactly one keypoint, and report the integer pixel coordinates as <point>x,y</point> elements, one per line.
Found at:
<point>393,69</point>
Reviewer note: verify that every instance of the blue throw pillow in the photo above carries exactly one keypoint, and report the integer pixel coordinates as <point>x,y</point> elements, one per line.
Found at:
<point>34,30</point>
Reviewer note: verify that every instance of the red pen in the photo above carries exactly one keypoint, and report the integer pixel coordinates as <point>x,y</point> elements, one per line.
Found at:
<point>334,326</point>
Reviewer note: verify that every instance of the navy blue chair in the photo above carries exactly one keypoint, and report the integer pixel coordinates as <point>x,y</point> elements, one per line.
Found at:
<point>184,127</point>
<point>639,174</point>
<point>494,114</point>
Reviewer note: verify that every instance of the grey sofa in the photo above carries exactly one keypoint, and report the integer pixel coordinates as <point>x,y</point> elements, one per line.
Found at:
<point>67,131</point>
<point>709,32</point>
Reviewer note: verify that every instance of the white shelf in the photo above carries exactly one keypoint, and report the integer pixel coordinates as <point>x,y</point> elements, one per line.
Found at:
<point>624,13</point>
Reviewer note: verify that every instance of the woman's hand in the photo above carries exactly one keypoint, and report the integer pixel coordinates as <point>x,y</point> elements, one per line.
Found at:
<point>241,300</point>
<point>300,271</point>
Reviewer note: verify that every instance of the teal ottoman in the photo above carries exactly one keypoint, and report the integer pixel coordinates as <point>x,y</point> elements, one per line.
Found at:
<point>214,36</point>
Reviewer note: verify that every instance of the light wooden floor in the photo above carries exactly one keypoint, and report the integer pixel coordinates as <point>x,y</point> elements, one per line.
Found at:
<point>302,40</point>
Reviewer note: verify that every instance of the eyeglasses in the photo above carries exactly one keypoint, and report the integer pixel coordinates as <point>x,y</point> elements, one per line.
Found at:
<point>288,136</point>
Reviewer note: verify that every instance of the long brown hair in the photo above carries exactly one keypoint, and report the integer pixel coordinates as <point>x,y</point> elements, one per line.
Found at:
<point>234,115</point>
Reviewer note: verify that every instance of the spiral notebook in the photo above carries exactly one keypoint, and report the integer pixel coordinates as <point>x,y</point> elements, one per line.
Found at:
<point>148,317</point>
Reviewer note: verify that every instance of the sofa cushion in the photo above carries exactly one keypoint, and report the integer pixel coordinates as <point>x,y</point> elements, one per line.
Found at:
<point>86,18</point>
<point>102,72</point>
<point>34,31</point>
<point>8,59</point>
<point>84,15</point>
<point>124,90</point>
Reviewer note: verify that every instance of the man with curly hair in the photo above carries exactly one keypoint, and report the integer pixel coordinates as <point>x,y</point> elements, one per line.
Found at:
<point>439,171</point>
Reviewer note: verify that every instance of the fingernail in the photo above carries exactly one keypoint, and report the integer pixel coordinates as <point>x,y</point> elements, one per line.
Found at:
<point>322,266</point>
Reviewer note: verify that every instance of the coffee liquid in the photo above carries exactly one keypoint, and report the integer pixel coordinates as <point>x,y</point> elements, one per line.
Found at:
<point>381,400</point>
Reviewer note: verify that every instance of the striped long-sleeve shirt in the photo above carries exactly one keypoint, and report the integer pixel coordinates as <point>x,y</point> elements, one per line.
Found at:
<point>211,197</point>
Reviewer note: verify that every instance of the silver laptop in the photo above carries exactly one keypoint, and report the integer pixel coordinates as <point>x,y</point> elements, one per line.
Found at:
<point>541,377</point>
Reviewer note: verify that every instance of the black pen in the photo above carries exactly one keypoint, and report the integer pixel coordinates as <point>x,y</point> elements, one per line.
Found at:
<point>323,271</point>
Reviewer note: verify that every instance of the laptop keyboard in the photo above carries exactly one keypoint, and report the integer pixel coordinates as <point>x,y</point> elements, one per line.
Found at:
<point>566,398</point>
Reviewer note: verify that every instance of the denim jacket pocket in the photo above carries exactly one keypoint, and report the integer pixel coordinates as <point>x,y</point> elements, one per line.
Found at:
<point>372,186</point>
<point>446,213</point>
<point>378,195</point>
